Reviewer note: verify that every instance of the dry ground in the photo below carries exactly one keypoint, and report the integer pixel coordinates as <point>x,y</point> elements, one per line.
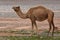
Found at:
<point>19,24</point>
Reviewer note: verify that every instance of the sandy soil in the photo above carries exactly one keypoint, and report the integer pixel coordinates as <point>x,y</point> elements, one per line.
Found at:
<point>19,24</point>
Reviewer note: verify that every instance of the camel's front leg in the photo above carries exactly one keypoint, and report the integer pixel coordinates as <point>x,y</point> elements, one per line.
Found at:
<point>33,20</point>
<point>32,28</point>
<point>36,27</point>
<point>34,24</point>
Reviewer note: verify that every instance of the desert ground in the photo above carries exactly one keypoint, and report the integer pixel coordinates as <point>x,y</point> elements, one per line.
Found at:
<point>23,24</point>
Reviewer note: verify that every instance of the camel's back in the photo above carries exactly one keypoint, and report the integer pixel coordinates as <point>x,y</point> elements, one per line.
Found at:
<point>40,12</point>
<point>37,10</point>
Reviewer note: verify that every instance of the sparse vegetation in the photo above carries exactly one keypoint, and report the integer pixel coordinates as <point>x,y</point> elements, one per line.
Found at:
<point>42,36</point>
<point>28,38</point>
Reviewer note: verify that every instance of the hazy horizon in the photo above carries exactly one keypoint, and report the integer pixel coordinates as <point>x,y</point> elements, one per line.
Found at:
<point>7,11</point>
<point>6,5</point>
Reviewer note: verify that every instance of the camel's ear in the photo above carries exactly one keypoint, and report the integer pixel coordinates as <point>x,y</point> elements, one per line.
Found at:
<point>18,7</point>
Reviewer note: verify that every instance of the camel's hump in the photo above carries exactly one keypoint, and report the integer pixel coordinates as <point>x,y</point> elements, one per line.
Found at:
<point>38,7</point>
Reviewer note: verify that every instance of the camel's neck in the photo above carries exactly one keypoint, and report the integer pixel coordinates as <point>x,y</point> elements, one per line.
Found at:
<point>20,14</point>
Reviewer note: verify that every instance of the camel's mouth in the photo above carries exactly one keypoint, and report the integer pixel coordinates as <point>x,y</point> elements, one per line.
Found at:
<point>13,7</point>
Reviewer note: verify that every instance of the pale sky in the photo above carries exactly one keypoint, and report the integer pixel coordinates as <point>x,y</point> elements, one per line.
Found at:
<point>6,10</point>
<point>6,5</point>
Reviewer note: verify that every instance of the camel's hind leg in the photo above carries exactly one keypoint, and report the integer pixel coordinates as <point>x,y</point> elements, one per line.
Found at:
<point>53,27</point>
<point>50,19</point>
<point>49,27</point>
<point>52,22</point>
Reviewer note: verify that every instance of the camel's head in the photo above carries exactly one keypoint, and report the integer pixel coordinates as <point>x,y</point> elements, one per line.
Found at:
<point>16,8</point>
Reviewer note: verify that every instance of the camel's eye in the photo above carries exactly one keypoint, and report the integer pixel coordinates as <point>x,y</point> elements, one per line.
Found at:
<point>16,8</point>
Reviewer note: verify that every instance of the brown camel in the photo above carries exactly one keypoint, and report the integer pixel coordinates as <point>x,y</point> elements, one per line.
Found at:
<point>38,13</point>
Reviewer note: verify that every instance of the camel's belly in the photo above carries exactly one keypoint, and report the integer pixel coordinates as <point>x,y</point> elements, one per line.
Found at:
<point>41,17</point>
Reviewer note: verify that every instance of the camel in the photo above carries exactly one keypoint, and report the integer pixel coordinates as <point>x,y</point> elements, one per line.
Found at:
<point>38,13</point>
